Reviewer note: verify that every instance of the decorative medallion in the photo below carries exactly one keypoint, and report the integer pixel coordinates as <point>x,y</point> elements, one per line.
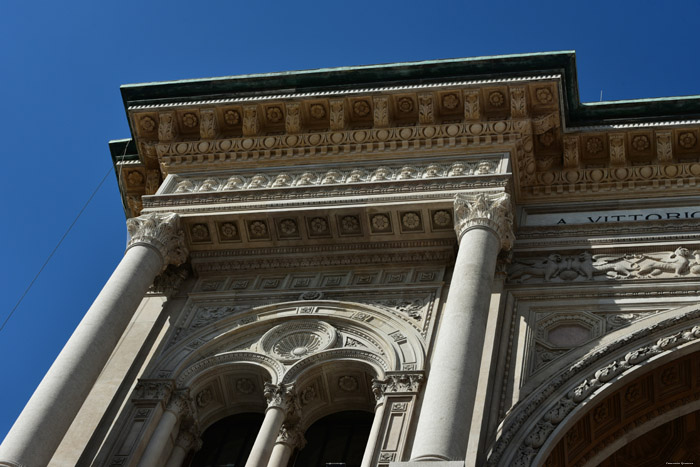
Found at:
<point>381,223</point>
<point>200,233</point>
<point>257,229</point>
<point>496,99</point>
<point>450,101</point>
<point>232,117</point>
<point>405,104</point>
<point>288,227</point>
<point>347,383</point>
<point>228,231</point>
<point>544,95</point>
<point>317,111</point>
<point>594,145</point>
<point>350,224</point>
<point>411,221</point>
<point>245,386</point>
<point>148,124</point>
<point>274,114</point>
<point>640,143</point>
<point>442,219</point>
<point>190,120</point>
<point>687,140</point>
<point>361,108</point>
<point>297,339</point>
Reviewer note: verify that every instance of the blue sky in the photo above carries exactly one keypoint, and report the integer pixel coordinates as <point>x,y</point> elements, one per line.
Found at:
<point>61,65</point>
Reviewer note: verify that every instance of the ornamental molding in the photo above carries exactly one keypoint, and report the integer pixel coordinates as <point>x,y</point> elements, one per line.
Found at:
<point>153,390</point>
<point>162,232</point>
<point>181,404</point>
<point>349,259</point>
<point>434,189</point>
<point>337,355</point>
<point>522,447</point>
<point>190,373</point>
<point>337,176</point>
<point>557,267</point>
<point>405,382</point>
<point>522,116</point>
<point>296,339</point>
<point>490,210</point>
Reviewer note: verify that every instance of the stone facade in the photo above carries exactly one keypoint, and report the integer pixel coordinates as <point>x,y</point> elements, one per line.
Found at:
<point>502,275</point>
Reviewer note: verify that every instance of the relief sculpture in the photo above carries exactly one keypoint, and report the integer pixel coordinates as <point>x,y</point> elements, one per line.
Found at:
<point>585,266</point>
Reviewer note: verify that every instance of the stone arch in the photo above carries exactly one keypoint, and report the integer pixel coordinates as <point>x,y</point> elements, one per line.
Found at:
<point>531,431</point>
<point>228,384</point>
<point>391,336</point>
<point>334,384</point>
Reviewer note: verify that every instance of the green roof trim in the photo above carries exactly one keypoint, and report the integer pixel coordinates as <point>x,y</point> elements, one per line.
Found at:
<point>422,72</point>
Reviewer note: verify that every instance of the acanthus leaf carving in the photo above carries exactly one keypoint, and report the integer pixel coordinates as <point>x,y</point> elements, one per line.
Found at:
<point>491,210</point>
<point>162,232</point>
<point>281,396</point>
<point>381,111</point>
<point>425,108</point>
<point>166,126</point>
<point>207,123</point>
<point>337,114</point>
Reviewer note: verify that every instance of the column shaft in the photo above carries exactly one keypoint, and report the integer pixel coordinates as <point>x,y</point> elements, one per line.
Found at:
<point>280,455</point>
<point>265,441</point>
<point>446,413</point>
<point>47,416</point>
<point>159,440</point>
<point>177,457</point>
<point>374,433</point>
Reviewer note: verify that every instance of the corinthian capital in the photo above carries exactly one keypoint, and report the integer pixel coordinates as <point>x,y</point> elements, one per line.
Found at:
<point>291,435</point>
<point>280,396</point>
<point>162,232</point>
<point>490,210</point>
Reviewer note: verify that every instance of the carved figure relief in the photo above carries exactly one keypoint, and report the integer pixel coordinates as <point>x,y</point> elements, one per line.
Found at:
<point>584,266</point>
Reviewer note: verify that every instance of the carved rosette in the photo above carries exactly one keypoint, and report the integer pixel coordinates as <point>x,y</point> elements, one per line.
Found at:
<point>490,210</point>
<point>294,340</point>
<point>280,396</point>
<point>162,232</point>
<point>292,436</point>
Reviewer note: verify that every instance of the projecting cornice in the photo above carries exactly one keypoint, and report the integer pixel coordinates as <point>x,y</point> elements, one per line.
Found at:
<point>319,121</point>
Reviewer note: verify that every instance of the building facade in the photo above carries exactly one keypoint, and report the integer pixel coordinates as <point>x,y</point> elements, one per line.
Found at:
<point>436,263</point>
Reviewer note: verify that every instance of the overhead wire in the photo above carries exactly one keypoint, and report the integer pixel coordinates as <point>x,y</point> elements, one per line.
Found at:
<point>26,291</point>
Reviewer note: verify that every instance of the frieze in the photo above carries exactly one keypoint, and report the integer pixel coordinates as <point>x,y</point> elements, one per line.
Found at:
<point>537,436</point>
<point>326,195</point>
<point>181,184</point>
<point>584,266</point>
<point>354,259</point>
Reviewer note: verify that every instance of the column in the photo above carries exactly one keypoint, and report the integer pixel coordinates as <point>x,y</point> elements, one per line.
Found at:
<point>178,405</point>
<point>280,401</point>
<point>156,241</point>
<point>186,441</point>
<point>484,226</point>
<point>289,438</point>
<point>378,390</point>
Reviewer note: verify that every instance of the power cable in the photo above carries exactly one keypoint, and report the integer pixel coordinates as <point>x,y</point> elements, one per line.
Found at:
<point>54,250</point>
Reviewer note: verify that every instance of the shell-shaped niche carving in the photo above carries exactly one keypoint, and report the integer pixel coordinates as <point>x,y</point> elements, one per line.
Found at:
<point>294,340</point>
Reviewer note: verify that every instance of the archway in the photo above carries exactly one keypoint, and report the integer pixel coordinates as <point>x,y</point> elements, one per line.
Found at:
<point>339,438</point>
<point>229,441</point>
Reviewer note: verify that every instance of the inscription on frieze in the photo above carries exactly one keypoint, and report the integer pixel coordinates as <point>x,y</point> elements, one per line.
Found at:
<point>613,216</point>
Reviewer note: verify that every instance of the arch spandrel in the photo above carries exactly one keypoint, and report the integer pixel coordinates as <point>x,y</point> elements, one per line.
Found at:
<point>364,332</point>
<point>541,420</point>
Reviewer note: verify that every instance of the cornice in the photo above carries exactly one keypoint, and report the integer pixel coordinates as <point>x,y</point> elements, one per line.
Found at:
<point>405,121</point>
